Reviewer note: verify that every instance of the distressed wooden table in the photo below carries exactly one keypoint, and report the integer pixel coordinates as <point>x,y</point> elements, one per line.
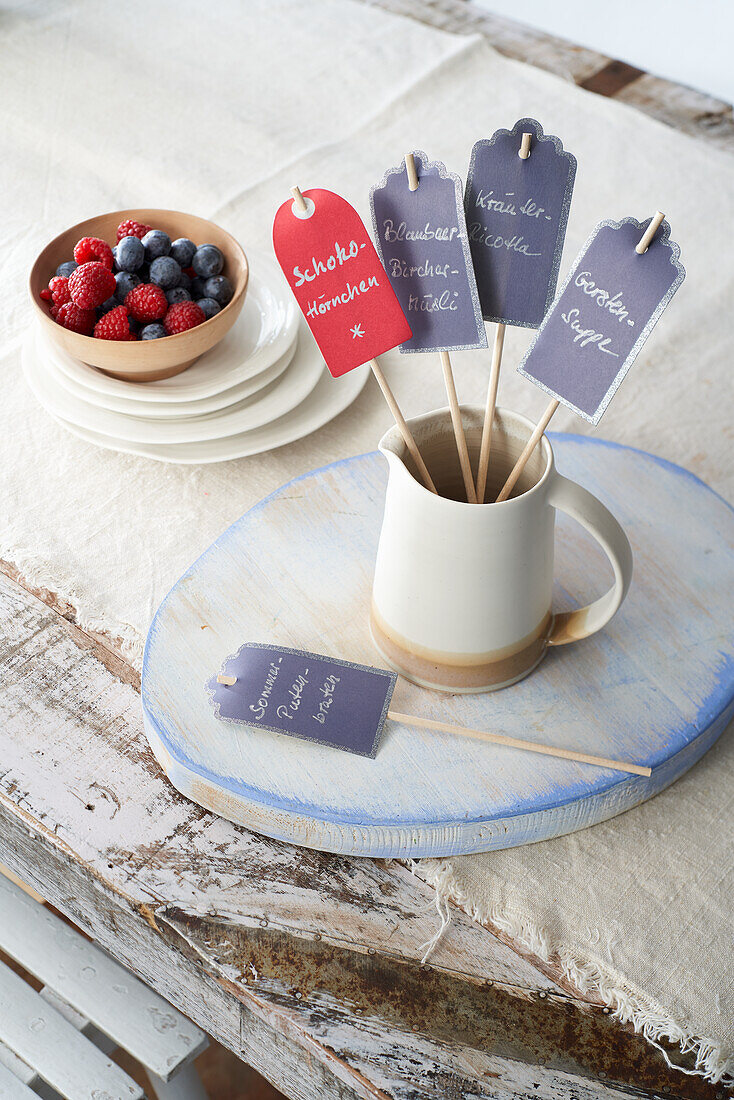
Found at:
<point>464,796</point>
<point>307,965</point>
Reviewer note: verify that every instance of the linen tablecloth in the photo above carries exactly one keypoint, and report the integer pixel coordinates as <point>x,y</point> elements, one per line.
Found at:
<point>218,109</point>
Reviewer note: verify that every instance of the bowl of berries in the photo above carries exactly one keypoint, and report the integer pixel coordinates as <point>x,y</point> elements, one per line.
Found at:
<point>139,294</point>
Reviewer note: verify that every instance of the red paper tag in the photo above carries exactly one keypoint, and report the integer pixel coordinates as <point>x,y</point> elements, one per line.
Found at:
<point>334,271</point>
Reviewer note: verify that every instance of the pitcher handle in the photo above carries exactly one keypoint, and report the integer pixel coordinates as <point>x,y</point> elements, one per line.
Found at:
<point>581,505</point>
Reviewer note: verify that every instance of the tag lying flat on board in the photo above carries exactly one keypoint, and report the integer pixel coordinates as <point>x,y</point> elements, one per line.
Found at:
<point>305,695</point>
<point>516,216</point>
<point>421,236</point>
<point>336,276</point>
<point>607,308</point>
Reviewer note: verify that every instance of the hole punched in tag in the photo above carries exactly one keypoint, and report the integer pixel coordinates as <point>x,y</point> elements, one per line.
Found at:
<point>302,206</point>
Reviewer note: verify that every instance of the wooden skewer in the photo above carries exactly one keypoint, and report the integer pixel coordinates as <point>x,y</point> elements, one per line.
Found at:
<point>299,200</point>
<point>410,168</point>
<point>494,378</point>
<point>387,393</point>
<point>647,236</point>
<point>529,448</point>
<point>516,743</point>
<point>405,431</point>
<point>448,377</point>
<point>499,739</point>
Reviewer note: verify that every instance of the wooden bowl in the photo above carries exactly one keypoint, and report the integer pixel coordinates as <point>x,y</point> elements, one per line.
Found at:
<point>142,360</point>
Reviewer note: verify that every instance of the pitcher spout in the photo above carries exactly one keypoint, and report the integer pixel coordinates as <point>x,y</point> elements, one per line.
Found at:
<point>399,463</point>
<point>435,440</point>
<point>392,445</point>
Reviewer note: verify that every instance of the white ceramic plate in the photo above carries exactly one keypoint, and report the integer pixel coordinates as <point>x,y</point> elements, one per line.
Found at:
<point>45,350</point>
<point>263,332</point>
<point>276,400</point>
<point>331,396</point>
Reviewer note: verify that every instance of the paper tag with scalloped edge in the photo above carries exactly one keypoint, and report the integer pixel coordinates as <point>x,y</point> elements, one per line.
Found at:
<point>305,695</point>
<point>331,265</point>
<point>516,216</point>
<point>609,304</point>
<point>422,239</point>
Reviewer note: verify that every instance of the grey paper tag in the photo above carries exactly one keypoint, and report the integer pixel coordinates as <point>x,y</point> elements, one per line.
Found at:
<point>516,216</point>
<point>305,695</point>
<point>605,311</point>
<point>422,240</point>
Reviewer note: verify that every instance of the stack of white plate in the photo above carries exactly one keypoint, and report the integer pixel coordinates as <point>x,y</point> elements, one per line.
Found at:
<point>263,385</point>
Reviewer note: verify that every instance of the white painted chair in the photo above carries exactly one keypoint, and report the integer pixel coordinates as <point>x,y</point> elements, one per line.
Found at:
<point>56,1042</point>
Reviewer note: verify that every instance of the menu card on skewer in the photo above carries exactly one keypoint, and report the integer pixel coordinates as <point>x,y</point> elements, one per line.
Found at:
<point>609,304</point>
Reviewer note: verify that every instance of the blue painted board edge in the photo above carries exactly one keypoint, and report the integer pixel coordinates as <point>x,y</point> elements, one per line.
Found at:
<point>715,705</point>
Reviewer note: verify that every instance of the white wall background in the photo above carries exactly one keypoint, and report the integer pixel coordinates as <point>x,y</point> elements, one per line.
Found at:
<point>689,41</point>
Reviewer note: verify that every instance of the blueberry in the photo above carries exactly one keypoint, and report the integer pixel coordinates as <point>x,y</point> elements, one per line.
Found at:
<point>165,272</point>
<point>111,303</point>
<point>198,287</point>
<point>209,306</point>
<point>156,243</point>
<point>177,294</point>
<point>66,268</point>
<point>125,282</point>
<point>208,260</point>
<point>184,281</point>
<point>144,273</point>
<point>219,288</point>
<point>135,326</point>
<point>130,254</point>
<point>183,251</point>
<point>152,332</point>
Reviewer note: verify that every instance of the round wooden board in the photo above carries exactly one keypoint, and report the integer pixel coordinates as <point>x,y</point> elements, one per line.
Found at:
<point>656,687</point>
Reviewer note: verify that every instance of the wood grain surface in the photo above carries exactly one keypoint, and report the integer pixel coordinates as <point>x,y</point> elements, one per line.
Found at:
<point>296,570</point>
<point>306,965</point>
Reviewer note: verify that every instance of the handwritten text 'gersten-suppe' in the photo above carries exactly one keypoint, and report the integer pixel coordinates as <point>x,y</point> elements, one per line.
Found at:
<point>606,310</point>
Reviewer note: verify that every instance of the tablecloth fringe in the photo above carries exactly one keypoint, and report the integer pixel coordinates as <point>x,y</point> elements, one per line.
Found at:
<point>37,574</point>
<point>589,976</point>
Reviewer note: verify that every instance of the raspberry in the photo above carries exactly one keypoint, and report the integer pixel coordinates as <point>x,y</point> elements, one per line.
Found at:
<point>115,325</point>
<point>78,320</point>
<point>183,316</point>
<point>190,272</point>
<point>91,284</point>
<point>131,228</point>
<point>59,290</point>
<point>146,302</point>
<point>89,249</point>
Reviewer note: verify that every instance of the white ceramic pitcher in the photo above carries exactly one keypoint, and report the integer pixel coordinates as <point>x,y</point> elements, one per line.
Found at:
<point>462,592</point>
